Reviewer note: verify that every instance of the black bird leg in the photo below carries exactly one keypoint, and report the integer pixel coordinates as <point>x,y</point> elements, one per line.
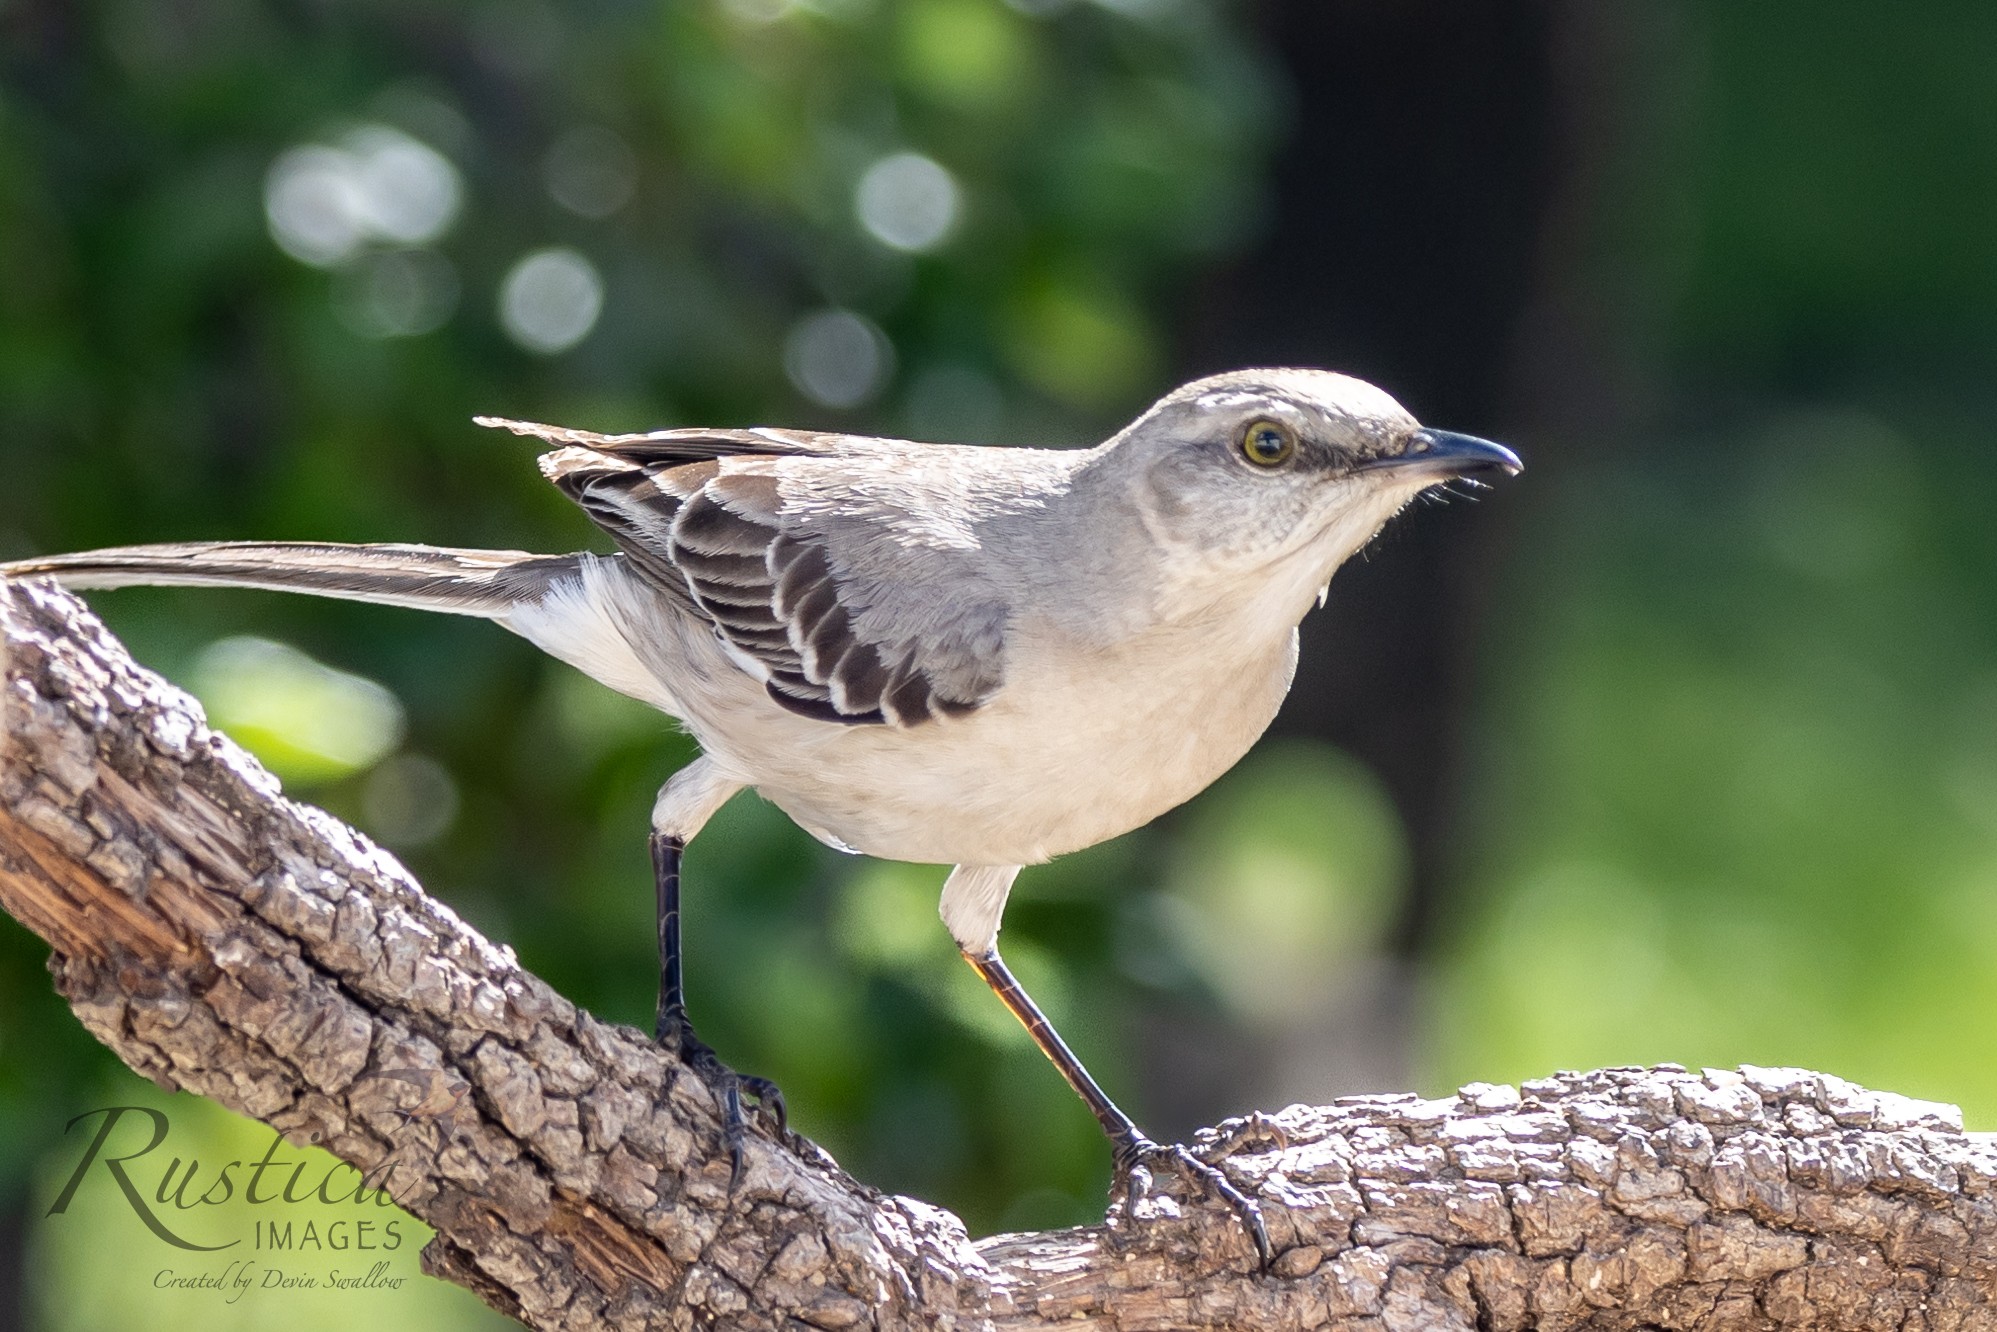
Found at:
<point>1135,1154</point>
<point>671,1027</point>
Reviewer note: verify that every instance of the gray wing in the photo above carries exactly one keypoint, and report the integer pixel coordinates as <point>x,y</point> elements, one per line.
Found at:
<point>846,616</point>
<point>688,445</point>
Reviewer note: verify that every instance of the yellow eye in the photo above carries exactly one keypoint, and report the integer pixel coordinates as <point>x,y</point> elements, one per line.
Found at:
<point>1268,443</point>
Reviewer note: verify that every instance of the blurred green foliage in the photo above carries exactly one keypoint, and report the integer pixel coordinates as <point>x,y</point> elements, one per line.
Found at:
<point>1736,796</point>
<point>1742,779</point>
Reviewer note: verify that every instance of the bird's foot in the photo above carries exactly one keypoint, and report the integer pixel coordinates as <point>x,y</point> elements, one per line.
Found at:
<point>1138,1158</point>
<point>729,1088</point>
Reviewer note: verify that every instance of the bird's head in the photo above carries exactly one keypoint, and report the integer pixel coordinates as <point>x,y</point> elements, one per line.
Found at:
<point>1284,472</point>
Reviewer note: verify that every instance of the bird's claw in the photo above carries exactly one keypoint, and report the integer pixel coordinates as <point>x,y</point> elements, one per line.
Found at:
<point>1138,1156</point>
<point>729,1087</point>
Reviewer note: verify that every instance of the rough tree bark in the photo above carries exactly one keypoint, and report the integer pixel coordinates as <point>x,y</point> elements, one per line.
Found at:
<point>222,939</point>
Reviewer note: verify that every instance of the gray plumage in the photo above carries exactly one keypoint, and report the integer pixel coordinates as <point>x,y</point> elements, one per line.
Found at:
<point>975,656</point>
<point>836,613</point>
<point>462,582</point>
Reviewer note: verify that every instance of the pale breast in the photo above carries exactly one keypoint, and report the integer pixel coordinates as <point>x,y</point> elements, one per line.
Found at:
<point>1073,752</point>
<point>1083,742</point>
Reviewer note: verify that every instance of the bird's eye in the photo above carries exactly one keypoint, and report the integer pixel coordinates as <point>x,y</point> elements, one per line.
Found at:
<point>1268,443</point>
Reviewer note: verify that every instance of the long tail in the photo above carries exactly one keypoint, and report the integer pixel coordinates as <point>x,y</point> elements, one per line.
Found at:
<point>490,583</point>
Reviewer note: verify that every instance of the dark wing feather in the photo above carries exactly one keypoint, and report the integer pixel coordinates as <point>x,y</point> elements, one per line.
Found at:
<point>768,583</point>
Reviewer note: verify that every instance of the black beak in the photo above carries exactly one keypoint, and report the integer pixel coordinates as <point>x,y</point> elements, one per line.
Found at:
<point>1441,455</point>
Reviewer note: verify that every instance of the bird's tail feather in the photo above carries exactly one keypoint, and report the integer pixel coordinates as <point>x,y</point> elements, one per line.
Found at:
<point>465,582</point>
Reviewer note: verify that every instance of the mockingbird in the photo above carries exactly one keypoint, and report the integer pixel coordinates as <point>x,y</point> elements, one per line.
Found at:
<point>980,657</point>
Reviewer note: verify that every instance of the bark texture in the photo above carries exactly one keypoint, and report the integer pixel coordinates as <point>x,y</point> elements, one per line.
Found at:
<point>222,939</point>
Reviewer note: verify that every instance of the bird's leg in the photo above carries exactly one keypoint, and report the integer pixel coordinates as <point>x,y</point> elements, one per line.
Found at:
<point>684,804</point>
<point>1136,1155</point>
<point>675,1032</point>
<point>670,1020</point>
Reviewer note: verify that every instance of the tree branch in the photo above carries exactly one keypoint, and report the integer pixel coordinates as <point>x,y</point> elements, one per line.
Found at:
<point>222,939</point>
